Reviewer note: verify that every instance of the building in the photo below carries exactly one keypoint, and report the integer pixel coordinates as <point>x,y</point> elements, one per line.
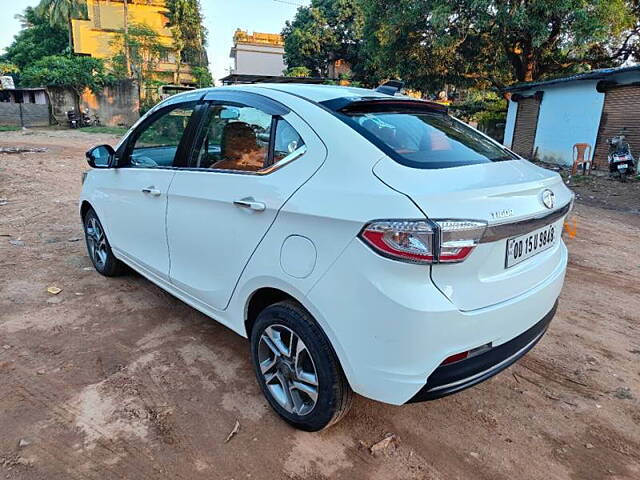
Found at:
<point>95,36</point>
<point>257,54</point>
<point>24,107</point>
<point>545,119</point>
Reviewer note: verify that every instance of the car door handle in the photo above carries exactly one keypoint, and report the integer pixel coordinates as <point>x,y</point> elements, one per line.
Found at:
<point>250,203</point>
<point>152,191</point>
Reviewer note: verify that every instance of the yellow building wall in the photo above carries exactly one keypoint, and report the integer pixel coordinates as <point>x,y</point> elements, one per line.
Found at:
<point>95,36</point>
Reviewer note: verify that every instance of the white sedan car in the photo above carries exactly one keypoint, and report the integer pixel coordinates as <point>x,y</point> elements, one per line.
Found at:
<point>364,242</point>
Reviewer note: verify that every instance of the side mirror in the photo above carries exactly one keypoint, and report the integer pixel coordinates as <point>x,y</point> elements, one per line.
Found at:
<point>100,156</point>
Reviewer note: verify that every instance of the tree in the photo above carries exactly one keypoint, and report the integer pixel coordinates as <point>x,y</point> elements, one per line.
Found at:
<point>189,35</point>
<point>490,43</point>
<point>323,32</point>
<point>127,54</point>
<point>297,72</point>
<point>36,40</point>
<point>75,72</point>
<point>6,68</point>
<point>140,49</point>
<point>203,76</point>
<point>62,12</point>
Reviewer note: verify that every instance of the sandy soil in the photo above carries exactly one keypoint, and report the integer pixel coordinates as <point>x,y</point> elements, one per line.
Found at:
<point>113,378</point>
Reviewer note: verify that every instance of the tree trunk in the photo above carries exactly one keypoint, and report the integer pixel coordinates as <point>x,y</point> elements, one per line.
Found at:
<point>77,104</point>
<point>70,35</point>
<point>529,71</point>
<point>176,76</point>
<point>127,55</point>
<point>523,60</point>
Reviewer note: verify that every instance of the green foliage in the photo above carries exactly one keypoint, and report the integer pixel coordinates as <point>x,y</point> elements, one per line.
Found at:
<point>118,131</point>
<point>9,128</point>
<point>323,32</point>
<point>75,72</point>
<point>145,52</point>
<point>60,12</point>
<point>480,106</point>
<point>36,40</point>
<point>203,76</point>
<point>6,68</point>
<point>190,36</point>
<point>149,100</point>
<point>297,72</point>
<point>486,43</point>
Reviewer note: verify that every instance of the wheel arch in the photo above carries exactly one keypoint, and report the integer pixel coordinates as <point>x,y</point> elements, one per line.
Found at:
<point>85,206</point>
<point>262,297</point>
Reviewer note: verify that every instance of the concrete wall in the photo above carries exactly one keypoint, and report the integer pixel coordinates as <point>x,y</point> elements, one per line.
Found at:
<point>510,123</point>
<point>24,114</point>
<point>259,60</point>
<point>62,100</point>
<point>118,105</point>
<point>569,114</point>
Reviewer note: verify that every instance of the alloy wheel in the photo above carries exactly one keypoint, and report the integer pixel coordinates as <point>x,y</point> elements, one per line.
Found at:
<point>97,242</point>
<point>288,369</point>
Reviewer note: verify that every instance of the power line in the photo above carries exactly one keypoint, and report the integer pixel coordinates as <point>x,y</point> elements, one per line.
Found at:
<point>289,3</point>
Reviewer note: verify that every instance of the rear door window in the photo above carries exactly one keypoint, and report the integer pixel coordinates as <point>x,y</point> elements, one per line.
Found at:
<point>243,139</point>
<point>235,138</point>
<point>287,141</point>
<point>425,139</point>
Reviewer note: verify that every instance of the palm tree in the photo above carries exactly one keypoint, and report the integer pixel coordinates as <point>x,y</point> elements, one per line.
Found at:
<point>61,12</point>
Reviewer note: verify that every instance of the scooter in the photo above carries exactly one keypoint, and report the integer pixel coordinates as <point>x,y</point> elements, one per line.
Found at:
<point>86,120</point>
<point>620,159</point>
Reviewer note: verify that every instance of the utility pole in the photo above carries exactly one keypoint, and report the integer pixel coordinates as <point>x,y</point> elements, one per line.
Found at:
<point>127,55</point>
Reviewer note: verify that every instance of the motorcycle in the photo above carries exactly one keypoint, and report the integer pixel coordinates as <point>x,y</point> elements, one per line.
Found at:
<point>620,159</point>
<point>73,119</point>
<point>82,120</point>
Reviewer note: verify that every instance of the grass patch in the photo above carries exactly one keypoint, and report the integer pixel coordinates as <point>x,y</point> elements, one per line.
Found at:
<point>9,128</point>
<point>108,130</point>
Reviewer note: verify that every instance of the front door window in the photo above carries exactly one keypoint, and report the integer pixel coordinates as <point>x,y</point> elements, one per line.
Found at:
<point>157,144</point>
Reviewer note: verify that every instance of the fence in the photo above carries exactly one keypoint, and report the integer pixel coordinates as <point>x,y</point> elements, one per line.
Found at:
<point>24,114</point>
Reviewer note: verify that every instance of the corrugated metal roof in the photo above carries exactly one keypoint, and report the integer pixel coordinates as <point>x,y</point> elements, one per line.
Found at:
<point>592,75</point>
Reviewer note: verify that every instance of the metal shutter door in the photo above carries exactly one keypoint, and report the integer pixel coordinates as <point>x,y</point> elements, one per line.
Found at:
<point>524,133</point>
<point>621,109</point>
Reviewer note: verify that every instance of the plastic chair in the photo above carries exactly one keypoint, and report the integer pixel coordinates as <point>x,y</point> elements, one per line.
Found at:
<point>581,157</point>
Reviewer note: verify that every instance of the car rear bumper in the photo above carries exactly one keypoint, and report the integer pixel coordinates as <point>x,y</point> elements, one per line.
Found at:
<point>392,328</point>
<point>452,378</point>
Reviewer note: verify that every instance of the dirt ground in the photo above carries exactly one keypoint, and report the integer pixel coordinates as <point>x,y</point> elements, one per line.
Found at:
<point>599,189</point>
<point>113,378</point>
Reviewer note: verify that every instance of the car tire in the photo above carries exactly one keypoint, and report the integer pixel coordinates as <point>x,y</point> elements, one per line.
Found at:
<point>278,330</point>
<point>98,247</point>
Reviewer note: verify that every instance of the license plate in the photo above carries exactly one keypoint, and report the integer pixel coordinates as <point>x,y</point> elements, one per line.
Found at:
<point>623,166</point>
<point>526,246</point>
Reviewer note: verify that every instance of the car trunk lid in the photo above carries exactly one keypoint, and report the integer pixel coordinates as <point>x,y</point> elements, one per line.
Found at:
<point>504,194</point>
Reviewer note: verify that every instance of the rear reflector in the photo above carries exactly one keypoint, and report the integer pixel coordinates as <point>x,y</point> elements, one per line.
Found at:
<point>468,354</point>
<point>455,358</point>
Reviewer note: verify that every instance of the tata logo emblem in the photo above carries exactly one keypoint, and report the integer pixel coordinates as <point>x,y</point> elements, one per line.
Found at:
<point>507,212</point>
<point>548,198</point>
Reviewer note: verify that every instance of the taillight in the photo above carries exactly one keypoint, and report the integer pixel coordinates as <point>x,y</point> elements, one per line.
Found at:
<point>424,241</point>
<point>458,238</point>
<point>408,240</point>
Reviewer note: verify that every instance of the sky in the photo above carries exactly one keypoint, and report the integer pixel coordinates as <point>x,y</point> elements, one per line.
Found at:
<point>221,18</point>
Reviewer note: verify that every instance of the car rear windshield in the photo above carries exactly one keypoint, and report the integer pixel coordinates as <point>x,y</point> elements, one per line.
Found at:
<point>425,139</point>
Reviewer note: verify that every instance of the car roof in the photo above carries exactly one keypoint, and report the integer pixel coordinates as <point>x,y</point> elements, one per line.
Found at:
<point>321,93</point>
<point>315,93</point>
